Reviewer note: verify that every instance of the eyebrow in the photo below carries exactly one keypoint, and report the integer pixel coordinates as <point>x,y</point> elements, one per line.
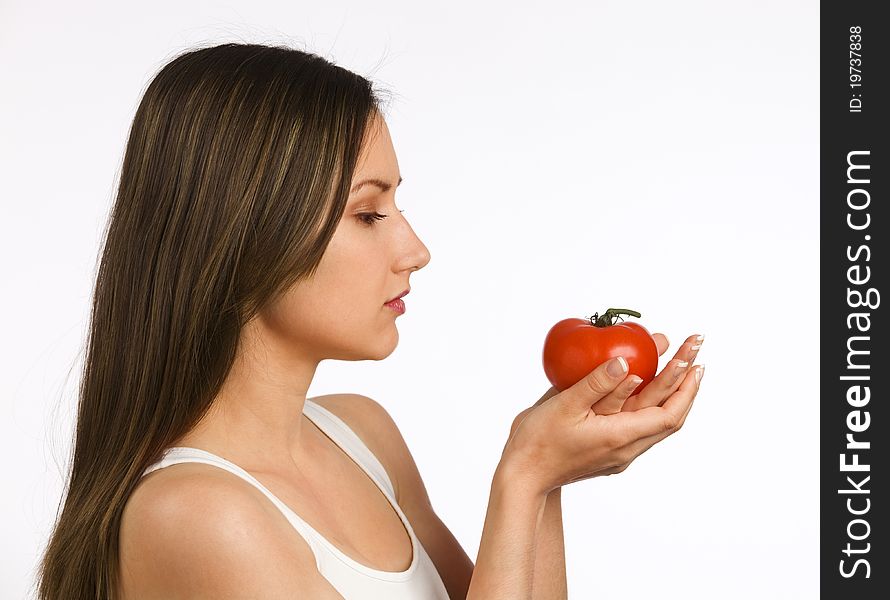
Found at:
<point>384,186</point>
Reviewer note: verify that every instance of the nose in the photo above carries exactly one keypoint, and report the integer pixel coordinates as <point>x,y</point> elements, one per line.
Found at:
<point>421,255</point>
<point>417,255</point>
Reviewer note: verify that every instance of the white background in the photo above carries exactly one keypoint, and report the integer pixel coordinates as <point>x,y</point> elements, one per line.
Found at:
<point>558,160</point>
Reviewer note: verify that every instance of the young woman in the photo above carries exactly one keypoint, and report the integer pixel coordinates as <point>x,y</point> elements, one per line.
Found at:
<point>255,233</point>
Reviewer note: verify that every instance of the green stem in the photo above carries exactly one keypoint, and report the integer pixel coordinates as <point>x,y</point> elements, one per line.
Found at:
<point>610,315</point>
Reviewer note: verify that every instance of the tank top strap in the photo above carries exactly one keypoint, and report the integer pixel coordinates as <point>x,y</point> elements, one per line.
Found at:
<point>351,578</point>
<point>336,429</point>
<point>186,454</point>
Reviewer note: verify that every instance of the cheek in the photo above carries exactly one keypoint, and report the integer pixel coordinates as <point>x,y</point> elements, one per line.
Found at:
<point>342,304</point>
<point>329,315</point>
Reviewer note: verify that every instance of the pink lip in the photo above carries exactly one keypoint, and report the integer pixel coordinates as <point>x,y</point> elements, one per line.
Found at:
<point>405,293</point>
<point>397,305</point>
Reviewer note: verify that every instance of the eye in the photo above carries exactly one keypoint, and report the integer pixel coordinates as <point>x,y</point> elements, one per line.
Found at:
<point>370,218</point>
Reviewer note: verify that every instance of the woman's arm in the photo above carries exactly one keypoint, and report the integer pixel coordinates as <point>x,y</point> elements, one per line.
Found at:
<point>550,554</point>
<point>506,559</point>
<point>574,435</point>
<point>550,557</point>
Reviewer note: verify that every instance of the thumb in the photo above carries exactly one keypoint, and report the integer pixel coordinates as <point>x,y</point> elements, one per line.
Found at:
<point>595,385</point>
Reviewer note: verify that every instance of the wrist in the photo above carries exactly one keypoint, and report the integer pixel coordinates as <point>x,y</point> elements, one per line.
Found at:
<point>513,476</point>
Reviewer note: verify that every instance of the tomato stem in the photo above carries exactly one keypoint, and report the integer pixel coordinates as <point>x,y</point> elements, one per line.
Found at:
<point>608,318</point>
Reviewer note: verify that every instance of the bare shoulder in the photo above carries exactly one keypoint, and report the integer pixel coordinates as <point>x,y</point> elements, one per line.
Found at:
<point>374,425</point>
<point>194,530</point>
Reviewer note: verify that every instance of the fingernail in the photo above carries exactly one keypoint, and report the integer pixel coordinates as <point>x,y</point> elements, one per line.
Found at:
<point>700,339</point>
<point>617,367</point>
<point>681,367</point>
<point>699,373</point>
<point>634,382</point>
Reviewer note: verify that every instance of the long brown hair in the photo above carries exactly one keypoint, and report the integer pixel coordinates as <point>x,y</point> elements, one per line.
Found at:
<point>235,175</point>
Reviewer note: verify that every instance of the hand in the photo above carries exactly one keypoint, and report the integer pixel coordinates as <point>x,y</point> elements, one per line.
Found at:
<point>666,382</point>
<point>596,427</point>
<point>655,393</point>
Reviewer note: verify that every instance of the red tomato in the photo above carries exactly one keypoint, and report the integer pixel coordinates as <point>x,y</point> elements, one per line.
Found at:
<point>575,347</point>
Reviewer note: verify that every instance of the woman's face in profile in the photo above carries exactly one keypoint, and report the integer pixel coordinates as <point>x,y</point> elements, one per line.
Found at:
<point>340,313</point>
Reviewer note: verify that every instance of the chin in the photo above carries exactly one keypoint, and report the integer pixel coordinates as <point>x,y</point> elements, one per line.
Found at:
<point>381,347</point>
<point>390,346</point>
<point>387,344</point>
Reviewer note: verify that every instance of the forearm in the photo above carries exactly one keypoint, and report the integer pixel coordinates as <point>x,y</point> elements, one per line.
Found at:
<point>506,559</point>
<point>550,552</point>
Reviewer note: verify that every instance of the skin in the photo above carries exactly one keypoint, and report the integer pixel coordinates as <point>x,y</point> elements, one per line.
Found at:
<point>256,419</point>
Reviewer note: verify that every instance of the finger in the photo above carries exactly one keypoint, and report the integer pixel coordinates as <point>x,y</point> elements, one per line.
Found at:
<point>616,399</point>
<point>655,420</point>
<point>664,384</point>
<point>688,352</point>
<point>695,376</point>
<point>661,342</point>
<point>694,345</point>
<point>689,389</point>
<point>594,386</point>
<point>667,382</point>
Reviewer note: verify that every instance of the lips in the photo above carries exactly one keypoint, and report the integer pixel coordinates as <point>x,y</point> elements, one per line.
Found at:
<point>405,293</point>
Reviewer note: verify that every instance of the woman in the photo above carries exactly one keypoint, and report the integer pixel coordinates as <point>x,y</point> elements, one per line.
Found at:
<point>255,234</point>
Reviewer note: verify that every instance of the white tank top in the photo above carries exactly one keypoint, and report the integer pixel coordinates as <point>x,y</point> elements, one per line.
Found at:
<point>353,580</point>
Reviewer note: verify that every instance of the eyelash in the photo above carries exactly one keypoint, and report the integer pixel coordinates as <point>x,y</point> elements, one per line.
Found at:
<point>369,218</point>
